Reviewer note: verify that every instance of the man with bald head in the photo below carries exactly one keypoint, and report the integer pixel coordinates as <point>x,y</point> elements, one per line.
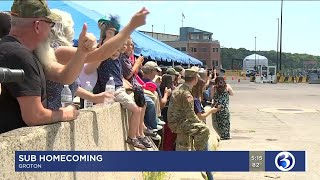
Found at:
<point>24,103</point>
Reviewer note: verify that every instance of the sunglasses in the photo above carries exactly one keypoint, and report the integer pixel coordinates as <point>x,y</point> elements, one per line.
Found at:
<point>51,23</point>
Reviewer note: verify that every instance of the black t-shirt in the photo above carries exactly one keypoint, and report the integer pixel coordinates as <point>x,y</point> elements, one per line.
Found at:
<point>14,55</point>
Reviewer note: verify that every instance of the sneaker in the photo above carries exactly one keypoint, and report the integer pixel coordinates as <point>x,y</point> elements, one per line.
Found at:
<point>150,132</point>
<point>145,141</point>
<point>154,130</point>
<point>159,127</point>
<point>160,122</point>
<point>135,143</point>
<point>156,138</point>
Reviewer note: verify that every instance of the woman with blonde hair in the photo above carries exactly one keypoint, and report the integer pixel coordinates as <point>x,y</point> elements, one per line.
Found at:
<point>62,35</point>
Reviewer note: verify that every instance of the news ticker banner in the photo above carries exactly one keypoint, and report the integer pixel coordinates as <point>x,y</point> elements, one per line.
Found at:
<point>231,161</point>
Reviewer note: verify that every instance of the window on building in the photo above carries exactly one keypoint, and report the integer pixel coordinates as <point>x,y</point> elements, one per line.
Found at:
<point>193,49</point>
<point>217,49</point>
<point>213,49</point>
<point>204,62</point>
<point>194,36</point>
<point>203,49</point>
<point>217,63</point>
<point>206,37</point>
<point>183,49</point>
<point>177,48</point>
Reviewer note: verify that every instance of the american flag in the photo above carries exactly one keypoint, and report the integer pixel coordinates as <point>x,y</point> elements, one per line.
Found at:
<point>183,16</point>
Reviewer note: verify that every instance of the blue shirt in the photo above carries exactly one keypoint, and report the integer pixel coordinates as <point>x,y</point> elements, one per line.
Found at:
<point>198,108</point>
<point>108,68</point>
<point>54,93</point>
<point>127,66</point>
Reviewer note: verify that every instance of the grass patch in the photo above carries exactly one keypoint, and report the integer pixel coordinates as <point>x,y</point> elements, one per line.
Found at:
<point>154,175</point>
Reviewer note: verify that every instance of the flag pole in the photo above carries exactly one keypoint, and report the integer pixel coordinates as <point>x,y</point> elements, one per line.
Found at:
<point>182,20</point>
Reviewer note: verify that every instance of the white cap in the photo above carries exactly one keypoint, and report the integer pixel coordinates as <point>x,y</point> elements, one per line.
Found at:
<point>111,78</point>
<point>65,85</point>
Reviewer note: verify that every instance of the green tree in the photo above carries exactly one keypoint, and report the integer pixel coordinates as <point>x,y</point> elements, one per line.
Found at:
<point>289,61</point>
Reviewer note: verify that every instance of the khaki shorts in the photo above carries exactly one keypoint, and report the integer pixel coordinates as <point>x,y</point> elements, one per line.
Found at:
<point>126,100</point>
<point>154,96</point>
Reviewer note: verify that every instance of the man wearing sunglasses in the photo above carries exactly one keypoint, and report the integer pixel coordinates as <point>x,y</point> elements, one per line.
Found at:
<point>24,104</point>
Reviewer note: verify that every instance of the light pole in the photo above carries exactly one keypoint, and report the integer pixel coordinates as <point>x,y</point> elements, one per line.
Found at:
<point>278,47</point>
<point>152,31</point>
<point>255,53</point>
<point>280,59</point>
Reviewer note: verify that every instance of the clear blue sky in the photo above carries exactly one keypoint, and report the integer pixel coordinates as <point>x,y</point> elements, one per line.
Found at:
<point>233,23</point>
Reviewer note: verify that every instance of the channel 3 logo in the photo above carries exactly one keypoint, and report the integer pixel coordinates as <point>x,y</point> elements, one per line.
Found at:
<point>284,161</point>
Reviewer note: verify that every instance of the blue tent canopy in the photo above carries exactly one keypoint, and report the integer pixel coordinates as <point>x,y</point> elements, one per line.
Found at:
<point>144,44</point>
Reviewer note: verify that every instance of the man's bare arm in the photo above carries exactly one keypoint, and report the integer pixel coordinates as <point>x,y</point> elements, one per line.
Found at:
<point>67,74</point>
<point>38,115</point>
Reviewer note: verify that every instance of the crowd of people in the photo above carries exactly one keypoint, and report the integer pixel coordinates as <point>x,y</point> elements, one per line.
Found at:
<point>168,104</point>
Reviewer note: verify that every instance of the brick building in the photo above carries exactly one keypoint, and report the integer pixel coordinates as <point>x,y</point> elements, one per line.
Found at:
<point>194,42</point>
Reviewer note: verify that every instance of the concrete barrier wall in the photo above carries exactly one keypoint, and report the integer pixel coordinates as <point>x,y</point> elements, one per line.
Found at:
<point>98,129</point>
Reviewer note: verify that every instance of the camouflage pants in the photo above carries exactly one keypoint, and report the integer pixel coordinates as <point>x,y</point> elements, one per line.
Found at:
<point>196,132</point>
<point>223,120</point>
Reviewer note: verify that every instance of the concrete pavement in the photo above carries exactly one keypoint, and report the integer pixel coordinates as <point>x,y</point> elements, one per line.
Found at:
<point>284,129</point>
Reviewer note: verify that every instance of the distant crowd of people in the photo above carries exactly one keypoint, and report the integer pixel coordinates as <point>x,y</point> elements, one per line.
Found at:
<point>168,104</point>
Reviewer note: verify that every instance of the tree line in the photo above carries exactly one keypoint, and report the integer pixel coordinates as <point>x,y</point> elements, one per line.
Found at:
<point>289,61</point>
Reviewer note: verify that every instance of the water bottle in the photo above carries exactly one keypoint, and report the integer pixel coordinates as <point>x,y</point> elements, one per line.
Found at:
<point>110,88</point>
<point>88,87</point>
<point>66,96</point>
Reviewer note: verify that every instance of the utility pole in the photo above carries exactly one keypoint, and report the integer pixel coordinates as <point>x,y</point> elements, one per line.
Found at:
<point>278,47</point>
<point>255,53</point>
<point>280,59</point>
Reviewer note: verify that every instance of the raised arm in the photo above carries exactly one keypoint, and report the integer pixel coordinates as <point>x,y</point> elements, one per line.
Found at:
<point>136,67</point>
<point>230,90</point>
<point>164,100</point>
<point>68,73</point>
<point>110,46</point>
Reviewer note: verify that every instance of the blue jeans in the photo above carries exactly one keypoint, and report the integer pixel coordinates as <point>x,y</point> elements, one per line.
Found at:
<point>150,118</point>
<point>209,174</point>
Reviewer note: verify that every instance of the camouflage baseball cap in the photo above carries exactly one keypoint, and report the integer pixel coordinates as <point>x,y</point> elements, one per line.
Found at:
<point>191,73</point>
<point>172,71</point>
<point>32,9</point>
<point>151,66</point>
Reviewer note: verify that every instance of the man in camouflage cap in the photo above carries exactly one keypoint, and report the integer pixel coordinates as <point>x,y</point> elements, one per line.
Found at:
<point>31,24</point>
<point>173,73</point>
<point>182,119</point>
<point>33,9</point>
<point>181,71</point>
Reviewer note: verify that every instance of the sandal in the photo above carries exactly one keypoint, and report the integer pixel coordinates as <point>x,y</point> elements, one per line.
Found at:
<point>135,143</point>
<point>145,141</point>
